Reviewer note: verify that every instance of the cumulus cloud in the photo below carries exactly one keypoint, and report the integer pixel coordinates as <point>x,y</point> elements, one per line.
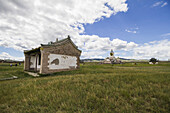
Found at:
<point>6,56</point>
<point>96,47</point>
<point>157,49</point>
<point>24,24</point>
<point>93,54</point>
<point>95,42</point>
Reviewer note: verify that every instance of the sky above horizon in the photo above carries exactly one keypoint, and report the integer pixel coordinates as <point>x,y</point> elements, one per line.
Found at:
<point>137,29</point>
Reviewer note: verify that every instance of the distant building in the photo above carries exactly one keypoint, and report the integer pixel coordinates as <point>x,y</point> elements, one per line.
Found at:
<point>153,61</point>
<point>111,59</point>
<point>1,61</point>
<point>53,57</point>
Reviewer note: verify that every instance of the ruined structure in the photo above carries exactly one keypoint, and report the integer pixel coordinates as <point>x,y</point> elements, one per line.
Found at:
<point>53,57</point>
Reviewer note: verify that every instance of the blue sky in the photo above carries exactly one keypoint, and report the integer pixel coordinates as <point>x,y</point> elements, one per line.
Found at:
<point>151,22</point>
<point>138,29</point>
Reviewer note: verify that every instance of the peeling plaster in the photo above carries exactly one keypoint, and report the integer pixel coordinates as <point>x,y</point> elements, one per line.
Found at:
<point>65,61</point>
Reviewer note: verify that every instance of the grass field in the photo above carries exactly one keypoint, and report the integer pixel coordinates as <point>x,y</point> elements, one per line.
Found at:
<point>6,71</point>
<point>92,88</point>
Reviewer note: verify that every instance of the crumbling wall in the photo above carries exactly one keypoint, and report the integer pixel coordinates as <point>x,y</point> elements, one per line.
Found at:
<point>67,55</point>
<point>57,61</point>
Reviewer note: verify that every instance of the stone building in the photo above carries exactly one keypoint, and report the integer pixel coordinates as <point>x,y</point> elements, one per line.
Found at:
<point>53,57</point>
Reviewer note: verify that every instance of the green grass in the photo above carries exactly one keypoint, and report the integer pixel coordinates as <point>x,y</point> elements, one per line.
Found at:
<point>92,88</point>
<point>6,71</point>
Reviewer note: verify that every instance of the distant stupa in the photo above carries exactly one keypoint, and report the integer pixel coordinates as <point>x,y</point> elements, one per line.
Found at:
<point>111,52</point>
<point>111,59</point>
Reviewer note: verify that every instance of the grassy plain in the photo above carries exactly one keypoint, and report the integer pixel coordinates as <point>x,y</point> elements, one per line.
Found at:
<point>92,88</point>
<point>6,71</point>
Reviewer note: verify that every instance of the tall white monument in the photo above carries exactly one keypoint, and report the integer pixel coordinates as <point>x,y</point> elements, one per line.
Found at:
<point>111,59</point>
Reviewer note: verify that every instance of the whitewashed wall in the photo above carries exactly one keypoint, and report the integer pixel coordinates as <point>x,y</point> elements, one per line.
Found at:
<point>33,60</point>
<point>38,66</point>
<point>65,61</point>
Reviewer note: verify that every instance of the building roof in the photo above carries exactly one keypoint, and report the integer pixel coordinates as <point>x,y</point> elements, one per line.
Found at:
<point>57,43</point>
<point>61,42</point>
<point>35,50</point>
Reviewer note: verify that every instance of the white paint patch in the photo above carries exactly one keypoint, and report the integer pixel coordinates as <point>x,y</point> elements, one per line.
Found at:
<point>65,61</point>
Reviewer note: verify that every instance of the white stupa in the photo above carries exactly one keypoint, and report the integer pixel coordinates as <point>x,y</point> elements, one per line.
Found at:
<point>111,59</point>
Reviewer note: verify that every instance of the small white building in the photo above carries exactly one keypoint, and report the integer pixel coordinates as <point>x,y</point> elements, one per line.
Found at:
<point>153,62</point>
<point>56,56</point>
<point>111,59</point>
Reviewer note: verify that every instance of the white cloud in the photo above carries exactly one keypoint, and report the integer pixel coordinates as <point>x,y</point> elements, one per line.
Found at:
<point>24,24</point>
<point>133,30</point>
<point>157,4</point>
<point>164,4</point>
<point>129,31</point>
<point>157,49</point>
<point>6,56</point>
<point>93,54</point>
<point>160,3</point>
<point>99,46</point>
<point>165,35</point>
